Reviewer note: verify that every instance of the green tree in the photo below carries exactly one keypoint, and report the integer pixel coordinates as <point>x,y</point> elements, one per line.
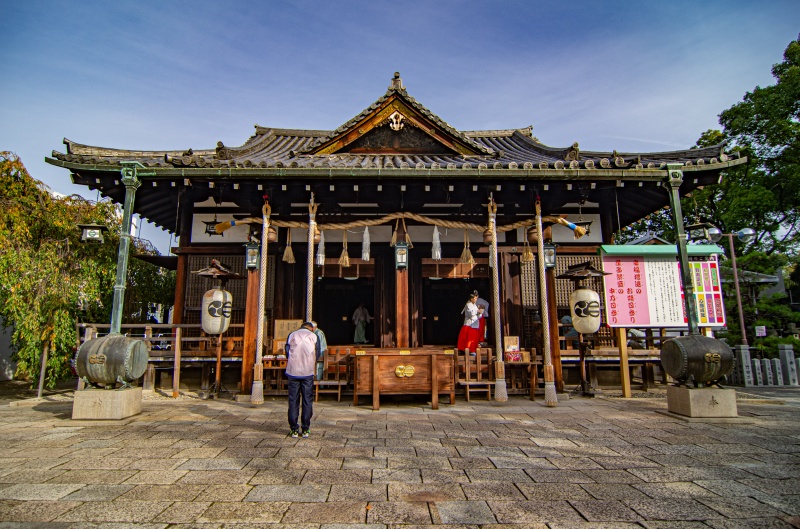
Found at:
<point>49,279</point>
<point>763,194</point>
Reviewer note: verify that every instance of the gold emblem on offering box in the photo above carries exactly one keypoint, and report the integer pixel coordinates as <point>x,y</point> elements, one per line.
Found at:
<point>360,352</point>
<point>404,371</point>
<point>404,352</point>
<point>448,351</point>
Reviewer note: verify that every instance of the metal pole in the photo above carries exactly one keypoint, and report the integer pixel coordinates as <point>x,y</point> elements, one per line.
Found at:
<point>130,179</point>
<point>674,180</point>
<point>736,284</point>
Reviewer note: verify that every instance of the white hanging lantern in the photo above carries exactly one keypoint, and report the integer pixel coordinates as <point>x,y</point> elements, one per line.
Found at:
<point>584,306</point>
<point>216,310</point>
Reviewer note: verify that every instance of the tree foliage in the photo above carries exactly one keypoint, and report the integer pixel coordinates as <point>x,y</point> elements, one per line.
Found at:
<point>49,279</point>
<point>763,194</point>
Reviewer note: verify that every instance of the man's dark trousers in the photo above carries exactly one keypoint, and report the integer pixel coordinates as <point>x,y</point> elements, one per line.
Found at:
<point>300,388</point>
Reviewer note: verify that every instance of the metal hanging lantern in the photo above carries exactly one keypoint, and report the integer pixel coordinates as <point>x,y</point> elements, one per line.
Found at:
<point>584,307</point>
<point>401,255</point>
<point>216,310</point>
<point>92,232</point>
<point>549,255</point>
<point>251,256</point>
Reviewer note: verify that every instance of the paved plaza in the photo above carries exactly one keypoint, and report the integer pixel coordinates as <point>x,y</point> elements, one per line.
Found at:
<point>587,463</point>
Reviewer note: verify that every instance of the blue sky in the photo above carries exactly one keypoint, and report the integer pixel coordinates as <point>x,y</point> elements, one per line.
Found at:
<point>626,75</point>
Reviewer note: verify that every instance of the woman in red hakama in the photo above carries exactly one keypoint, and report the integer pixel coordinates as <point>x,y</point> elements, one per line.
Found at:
<point>469,337</point>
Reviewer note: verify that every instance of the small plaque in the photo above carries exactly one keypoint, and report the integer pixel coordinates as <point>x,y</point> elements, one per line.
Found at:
<point>449,351</point>
<point>360,352</point>
<point>404,352</point>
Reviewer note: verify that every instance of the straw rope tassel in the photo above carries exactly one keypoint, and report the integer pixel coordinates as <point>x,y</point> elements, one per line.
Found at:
<point>466,255</point>
<point>550,397</point>
<point>288,254</point>
<point>344,259</point>
<point>500,390</point>
<point>312,225</point>
<point>257,391</point>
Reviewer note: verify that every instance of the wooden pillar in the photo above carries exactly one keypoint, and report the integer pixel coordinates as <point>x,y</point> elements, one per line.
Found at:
<point>185,216</point>
<point>555,347</point>
<point>250,330</point>
<point>624,369</point>
<point>401,307</point>
<point>552,311</point>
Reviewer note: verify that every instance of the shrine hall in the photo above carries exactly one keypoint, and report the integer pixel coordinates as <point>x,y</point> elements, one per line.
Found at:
<point>395,209</point>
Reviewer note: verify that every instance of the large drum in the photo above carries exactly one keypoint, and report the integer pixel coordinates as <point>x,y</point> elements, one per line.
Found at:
<point>697,358</point>
<point>111,359</point>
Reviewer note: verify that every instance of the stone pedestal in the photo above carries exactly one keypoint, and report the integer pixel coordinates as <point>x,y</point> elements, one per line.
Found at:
<point>107,403</point>
<point>702,402</point>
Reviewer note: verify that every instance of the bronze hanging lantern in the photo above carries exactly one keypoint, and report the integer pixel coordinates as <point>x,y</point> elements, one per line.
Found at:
<point>272,234</point>
<point>532,235</point>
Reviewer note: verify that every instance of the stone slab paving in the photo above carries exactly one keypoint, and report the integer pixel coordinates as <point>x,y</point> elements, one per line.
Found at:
<point>602,463</point>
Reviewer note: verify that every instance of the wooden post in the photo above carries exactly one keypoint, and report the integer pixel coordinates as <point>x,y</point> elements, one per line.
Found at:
<point>176,369</point>
<point>218,369</point>
<point>624,370</point>
<point>250,330</point>
<point>148,383</point>
<point>555,347</point>
<point>401,307</point>
<point>434,381</point>
<point>376,384</point>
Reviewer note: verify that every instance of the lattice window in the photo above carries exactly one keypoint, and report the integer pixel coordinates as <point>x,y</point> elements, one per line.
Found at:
<point>529,285</point>
<point>197,286</point>
<point>564,287</point>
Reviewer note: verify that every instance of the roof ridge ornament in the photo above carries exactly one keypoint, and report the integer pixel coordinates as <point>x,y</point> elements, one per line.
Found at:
<point>573,153</point>
<point>397,83</point>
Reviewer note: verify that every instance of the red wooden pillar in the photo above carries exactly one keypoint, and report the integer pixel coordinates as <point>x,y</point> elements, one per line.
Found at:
<point>401,307</point>
<point>250,330</point>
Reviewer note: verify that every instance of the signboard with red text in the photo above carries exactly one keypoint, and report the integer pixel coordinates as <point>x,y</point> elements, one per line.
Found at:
<point>644,287</point>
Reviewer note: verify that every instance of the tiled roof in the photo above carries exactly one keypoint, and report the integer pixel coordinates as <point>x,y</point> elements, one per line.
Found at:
<point>294,149</point>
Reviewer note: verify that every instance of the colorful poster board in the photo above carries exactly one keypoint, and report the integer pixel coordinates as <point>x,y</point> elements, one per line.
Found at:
<point>644,287</point>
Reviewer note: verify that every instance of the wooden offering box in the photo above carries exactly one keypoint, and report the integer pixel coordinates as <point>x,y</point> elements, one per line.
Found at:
<point>426,371</point>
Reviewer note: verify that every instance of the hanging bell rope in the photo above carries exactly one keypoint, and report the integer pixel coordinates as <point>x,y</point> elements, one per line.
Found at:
<point>500,390</point>
<point>466,255</point>
<point>288,254</point>
<point>312,229</point>
<point>365,244</point>
<point>344,259</point>
<point>257,391</point>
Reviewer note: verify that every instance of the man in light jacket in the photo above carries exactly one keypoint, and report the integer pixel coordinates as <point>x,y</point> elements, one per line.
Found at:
<point>302,353</point>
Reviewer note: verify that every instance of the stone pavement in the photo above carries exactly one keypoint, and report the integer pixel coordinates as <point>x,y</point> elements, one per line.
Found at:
<point>587,463</point>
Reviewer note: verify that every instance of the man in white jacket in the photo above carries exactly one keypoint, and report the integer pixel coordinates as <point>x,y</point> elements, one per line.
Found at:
<point>302,353</point>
